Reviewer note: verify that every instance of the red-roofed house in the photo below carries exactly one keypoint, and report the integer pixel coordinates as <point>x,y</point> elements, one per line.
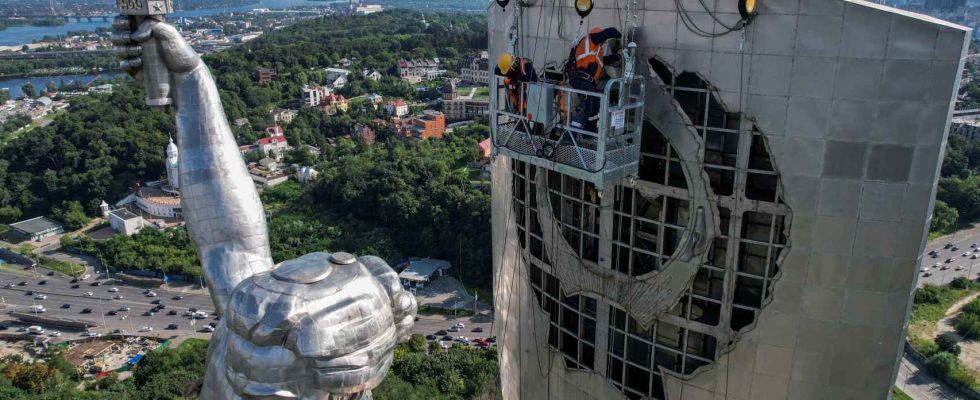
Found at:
<point>396,108</point>
<point>484,150</point>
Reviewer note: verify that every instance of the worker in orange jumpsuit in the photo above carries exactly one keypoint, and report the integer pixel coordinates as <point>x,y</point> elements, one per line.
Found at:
<point>587,62</point>
<point>517,72</point>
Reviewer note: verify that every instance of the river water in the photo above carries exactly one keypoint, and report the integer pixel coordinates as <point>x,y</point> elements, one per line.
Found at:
<point>14,84</point>
<point>18,35</point>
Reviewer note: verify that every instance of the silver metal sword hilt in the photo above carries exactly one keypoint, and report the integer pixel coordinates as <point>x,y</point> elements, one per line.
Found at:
<point>156,76</point>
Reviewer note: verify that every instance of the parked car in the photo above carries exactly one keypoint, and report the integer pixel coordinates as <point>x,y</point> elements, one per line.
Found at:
<point>431,337</point>
<point>207,328</point>
<point>960,268</point>
<point>478,329</point>
<point>172,326</point>
<point>172,312</point>
<point>86,276</point>
<point>460,325</point>
<point>927,274</point>
<point>447,337</point>
<point>454,329</point>
<point>50,273</point>
<point>149,313</point>
<point>948,260</point>
<point>948,245</point>
<point>118,331</point>
<point>441,332</point>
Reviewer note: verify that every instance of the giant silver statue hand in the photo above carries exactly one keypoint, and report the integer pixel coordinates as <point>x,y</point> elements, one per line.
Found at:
<point>321,326</point>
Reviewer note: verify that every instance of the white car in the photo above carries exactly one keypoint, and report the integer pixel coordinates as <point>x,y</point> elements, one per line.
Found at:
<point>37,308</point>
<point>151,294</point>
<point>40,297</point>
<point>460,325</point>
<point>967,254</point>
<point>113,290</point>
<point>146,329</point>
<point>89,333</point>
<point>86,276</point>
<point>55,334</point>
<point>89,294</point>
<point>937,265</point>
<point>924,269</point>
<point>207,328</point>
<point>960,268</point>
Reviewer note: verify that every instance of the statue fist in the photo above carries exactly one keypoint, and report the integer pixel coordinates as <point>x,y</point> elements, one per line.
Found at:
<point>320,326</point>
<point>131,39</point>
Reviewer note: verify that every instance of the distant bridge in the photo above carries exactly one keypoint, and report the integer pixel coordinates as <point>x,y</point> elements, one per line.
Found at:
<point>50,54</point>
<point>67,17</point>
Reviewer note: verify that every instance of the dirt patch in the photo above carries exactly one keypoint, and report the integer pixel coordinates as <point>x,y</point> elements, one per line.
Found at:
<point>970,350</point>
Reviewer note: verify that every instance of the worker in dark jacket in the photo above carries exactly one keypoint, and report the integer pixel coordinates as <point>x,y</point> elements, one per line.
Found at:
<point>587,63</point>
<point>517,72</point>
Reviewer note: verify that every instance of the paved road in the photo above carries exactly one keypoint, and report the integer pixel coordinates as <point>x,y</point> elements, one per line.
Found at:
<point>958,265</point>
<point>59,292</point>
<point>920,385</point>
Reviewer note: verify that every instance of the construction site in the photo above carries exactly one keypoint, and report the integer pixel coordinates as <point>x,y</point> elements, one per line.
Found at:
<point>92,357</point>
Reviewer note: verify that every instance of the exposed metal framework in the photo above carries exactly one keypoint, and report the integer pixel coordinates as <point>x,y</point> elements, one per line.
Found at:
<point>649,219</point>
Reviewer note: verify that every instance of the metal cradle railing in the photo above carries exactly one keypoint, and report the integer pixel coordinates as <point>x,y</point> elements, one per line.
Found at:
<point>541,128</point>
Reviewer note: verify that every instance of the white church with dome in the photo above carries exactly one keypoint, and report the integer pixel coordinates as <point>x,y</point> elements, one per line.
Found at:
<point>159,199</point>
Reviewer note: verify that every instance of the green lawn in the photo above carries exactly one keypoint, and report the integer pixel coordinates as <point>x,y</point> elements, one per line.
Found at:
<point>898,394</point>
<point>67,268</point>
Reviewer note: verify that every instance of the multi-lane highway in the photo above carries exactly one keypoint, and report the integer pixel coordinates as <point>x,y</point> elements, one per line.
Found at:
<point>60,293</point>
<point>64,301</point>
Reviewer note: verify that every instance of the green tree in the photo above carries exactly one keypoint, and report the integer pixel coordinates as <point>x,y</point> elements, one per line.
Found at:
<point>72,215</point>
<point>28,90</point>
<point>944,218</point>
<point>947,342</point>
<point>942,363</point>
<point>9,214</point>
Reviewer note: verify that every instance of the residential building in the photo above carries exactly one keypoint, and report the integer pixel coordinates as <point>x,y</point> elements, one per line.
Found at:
<point>484,150</point>
<point>266,173</point>
<point>766,244</point>
<point>368,9</point>
<point>38,228</point>
<point>126,222</point>
<point>416,71</point>
<point>274,145</point>
<point>284,116</point>
<point>364,133</point>
<point>333,104</point>
<point>314,95</point>
<point>337,78</point>
<point>264,75</point>
<point>476,70</point>
<point>431,124</point>
<point>374,100</point>
<point>417,272</point>
<point>464,108</point>
<point>967,128</point>
<point>396,108</point>
<point>306,175</point>
<point>371,74</point>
